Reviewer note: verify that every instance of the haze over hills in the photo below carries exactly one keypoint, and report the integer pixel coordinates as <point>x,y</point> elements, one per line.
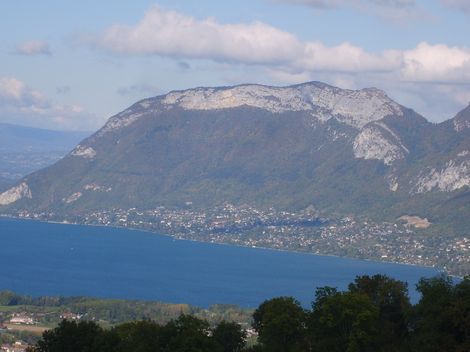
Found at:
<point>26,149</point>
<point>341,151</point>
<point>24,139</point>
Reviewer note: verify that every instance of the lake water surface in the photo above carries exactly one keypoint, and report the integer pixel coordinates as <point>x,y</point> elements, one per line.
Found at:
<point>53,259</point>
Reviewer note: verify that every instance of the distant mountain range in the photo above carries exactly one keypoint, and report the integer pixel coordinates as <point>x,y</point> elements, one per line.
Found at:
<point>341,151</point>
<point>26,149</point>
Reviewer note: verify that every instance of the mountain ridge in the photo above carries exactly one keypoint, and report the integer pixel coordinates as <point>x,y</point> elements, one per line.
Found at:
<point>344,151</point>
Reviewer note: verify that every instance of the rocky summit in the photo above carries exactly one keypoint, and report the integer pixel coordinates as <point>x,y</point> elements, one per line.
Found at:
<point>341,151</point>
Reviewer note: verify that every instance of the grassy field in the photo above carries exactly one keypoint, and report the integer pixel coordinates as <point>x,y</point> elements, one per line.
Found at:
<point>8,309</point>
<point>35,329</point>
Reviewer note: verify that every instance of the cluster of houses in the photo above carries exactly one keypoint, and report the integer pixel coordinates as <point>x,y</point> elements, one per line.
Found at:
<point>16,319</point>
<point>18,346</point>
<point>22,319</point>
<point>71,316</point>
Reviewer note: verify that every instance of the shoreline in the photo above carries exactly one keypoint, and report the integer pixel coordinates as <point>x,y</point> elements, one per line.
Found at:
<point>440,270</point>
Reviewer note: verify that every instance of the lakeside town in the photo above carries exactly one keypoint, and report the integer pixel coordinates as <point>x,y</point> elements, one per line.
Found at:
<point>302,231</point>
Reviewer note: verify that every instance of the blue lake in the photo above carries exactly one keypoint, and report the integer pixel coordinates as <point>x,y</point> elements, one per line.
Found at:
<point>53,259</point>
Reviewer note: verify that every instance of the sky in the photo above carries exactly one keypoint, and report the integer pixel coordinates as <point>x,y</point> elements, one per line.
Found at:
<point>70,65</point>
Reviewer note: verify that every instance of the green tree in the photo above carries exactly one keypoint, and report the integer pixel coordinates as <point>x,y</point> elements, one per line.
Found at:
<point>139,336</point>
<point>8,298</point>
<point>188,334</point>
<point>433,330</point>
<point>343,321</point>
<point>442,316</point>
<point>230,336</point>
<point>391,298</point>
<point>70,336</point>
<point>280,323</point>
<point>460,312</point>
<point>107,341</point>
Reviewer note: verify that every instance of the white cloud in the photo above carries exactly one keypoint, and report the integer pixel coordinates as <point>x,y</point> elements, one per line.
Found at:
<point>344,58</point>
<point>436,63</point>
<point>275,56</point>
<point>462,5</point>
<point>20,104</point>
<point>11,88</point>
<point>34,47</point>
<point>171,34</point>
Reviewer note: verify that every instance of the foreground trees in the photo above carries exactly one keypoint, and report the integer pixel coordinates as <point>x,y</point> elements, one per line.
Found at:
<point>390,298</point>
<point>374,314</point>
<point>441,319</point>
<point>185,334</point>
<point>344,321</point>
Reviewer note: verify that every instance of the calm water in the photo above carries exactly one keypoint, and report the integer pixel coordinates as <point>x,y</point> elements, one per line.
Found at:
<point>54,259</point>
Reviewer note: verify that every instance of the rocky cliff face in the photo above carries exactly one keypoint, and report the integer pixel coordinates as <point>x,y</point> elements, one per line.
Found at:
<point>344,151</point>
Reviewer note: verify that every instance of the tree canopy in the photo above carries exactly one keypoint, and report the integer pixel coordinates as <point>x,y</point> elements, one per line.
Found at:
<point>374,314</point>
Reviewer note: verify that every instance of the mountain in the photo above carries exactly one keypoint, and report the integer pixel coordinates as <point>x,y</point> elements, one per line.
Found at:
<point>26,149</point>
<point>342,151</point>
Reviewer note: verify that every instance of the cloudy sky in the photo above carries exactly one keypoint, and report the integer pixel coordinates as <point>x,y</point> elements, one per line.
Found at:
<point>72,64</point>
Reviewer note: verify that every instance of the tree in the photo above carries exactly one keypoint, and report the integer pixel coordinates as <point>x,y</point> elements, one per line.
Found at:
<point>107,341</point>
<point>280,323</point>
<point>70,336</point>
<point>230,336</point>
<point>391,298</point>
<point>139,336</point>
<point>8,298</point>
<point>432,317</point>
<point>460,312</point>
<point>188,334</point>
<point>442,316</point>
<point>343,321</point>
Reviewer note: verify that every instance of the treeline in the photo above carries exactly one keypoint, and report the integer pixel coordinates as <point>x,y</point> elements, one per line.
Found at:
<point>115,311</point>
<point>374,314</point>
